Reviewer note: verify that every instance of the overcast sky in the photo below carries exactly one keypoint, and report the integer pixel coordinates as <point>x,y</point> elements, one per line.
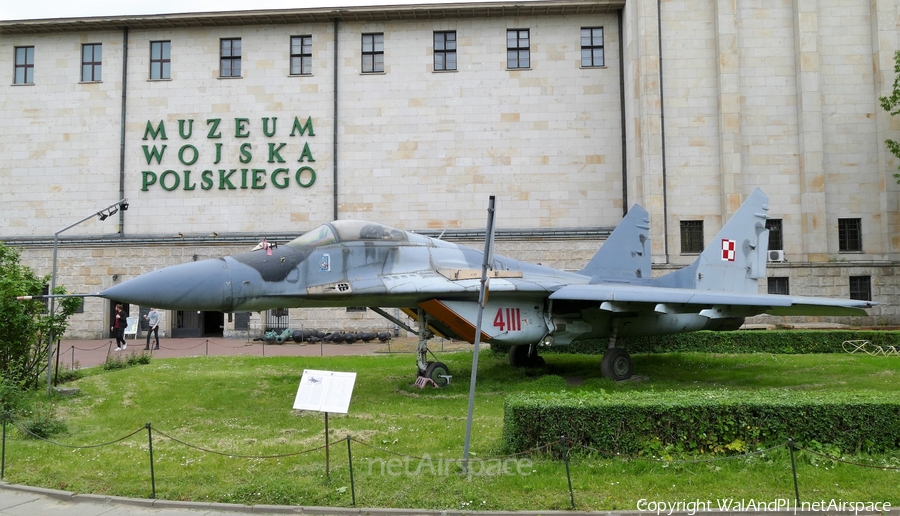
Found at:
<point>31,9</point>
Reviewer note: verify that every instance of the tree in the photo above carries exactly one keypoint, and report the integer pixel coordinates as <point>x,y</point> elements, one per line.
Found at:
<point>25,325</point>
<point>892,105</point>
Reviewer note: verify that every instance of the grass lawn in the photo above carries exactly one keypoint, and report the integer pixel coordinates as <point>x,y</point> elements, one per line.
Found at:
<point>222,407</point>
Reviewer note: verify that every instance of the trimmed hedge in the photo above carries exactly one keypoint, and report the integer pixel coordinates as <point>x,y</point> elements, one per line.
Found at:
<point>740,341</point>
<point>663,424</point>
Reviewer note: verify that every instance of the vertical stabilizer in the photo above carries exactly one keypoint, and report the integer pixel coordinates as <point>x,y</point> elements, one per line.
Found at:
<point>736,258</point>
<point>626,253</point>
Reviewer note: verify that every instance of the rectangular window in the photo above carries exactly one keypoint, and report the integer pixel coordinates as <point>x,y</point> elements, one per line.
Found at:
<point>776,242</point>
<point>861,288</point>
<point>91,62</point>
<point>372,53</point>
<point>24,73</point>
<point>352,309</point>
<point>779,286</point>
<point>850,234</point>
<point>691,236</point>
<point>230,57</point>
<point>518,49</point>
<point>301,55</point>
<point>160,60</point>
<point>445,50</point>
<point>592,47</point>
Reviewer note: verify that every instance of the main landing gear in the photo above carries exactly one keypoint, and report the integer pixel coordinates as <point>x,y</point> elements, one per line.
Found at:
<point>616,363</point>
<point>525,356</point>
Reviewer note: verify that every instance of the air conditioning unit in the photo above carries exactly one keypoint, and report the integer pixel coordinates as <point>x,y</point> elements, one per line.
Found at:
<point>776,256</point>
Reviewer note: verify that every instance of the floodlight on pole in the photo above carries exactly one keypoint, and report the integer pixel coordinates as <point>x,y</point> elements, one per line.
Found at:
<point>103,216</point>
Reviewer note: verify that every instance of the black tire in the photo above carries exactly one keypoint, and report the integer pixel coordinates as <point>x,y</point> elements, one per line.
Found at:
<point>616,364</point>
<point>518,357</point>
<point>438,371</point>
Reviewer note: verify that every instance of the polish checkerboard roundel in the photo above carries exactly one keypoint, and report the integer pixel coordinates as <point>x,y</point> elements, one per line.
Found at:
<point>728,250</point>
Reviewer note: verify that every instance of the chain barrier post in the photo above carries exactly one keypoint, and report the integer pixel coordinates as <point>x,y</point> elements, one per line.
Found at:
<point>73,358</point>
<point>790,445</point>
<point>562,440</point>
<point>3,453</point>
<point>152,473</point>
<point>350,460</point>
<point>207,347</point>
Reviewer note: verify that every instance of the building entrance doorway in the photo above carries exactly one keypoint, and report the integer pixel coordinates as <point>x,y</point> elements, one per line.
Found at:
<point>191,323</point>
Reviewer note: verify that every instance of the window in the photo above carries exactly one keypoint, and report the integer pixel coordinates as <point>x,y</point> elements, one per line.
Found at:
<point>24,73</point>
<point>861,288</point>
<point>301,55</point>
<point>850,234</point>
<point>160,60</point>
<point>352,309</point>
<point>775,240</point>
<point>91,62</point>
<point>445,50</point>
<point>691,236</point>
<point>592,47</point>
<point>372,53</point>
<point>779,286</point>
<point>518,49</point>
<point>230,57</point>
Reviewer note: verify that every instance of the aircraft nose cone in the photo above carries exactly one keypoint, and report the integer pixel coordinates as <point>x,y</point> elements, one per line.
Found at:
<point>203,285</point>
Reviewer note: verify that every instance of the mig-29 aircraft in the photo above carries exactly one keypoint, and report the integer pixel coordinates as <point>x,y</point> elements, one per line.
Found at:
<point>360,263</point>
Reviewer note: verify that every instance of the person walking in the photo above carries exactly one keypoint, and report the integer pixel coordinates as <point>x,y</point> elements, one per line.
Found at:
<point>152,318</point>
<point>118,328</point>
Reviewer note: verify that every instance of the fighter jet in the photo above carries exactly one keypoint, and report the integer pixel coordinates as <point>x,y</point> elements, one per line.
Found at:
<point>529,306</point>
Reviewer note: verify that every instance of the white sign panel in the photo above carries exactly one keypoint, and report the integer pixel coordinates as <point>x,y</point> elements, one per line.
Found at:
<point>325,391</point>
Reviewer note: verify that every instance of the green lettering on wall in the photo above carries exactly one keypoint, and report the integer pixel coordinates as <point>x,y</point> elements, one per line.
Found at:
<point>153,154</point>
<point>299,176</point>
<point>259,183</point>
<point>276,182</point>
<point>181,154</point>
<point>239,130</point>
<point>224,179</point>
<point>160,130</point>
<point>147,179</point>
<point>244,178</point>
<point>190,129</point>
<point>303,128</point>
<point>167,174</point>
<point>245,153</point>
<point>266,126</point>
<point>274,153</point>
<point>206,177</point>
<point>213,124</point>
<point>306,154</point>
<point>187,181</point>
<point>218,154</point>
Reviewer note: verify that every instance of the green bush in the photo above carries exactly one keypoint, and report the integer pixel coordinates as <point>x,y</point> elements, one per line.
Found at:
<point>646,423</point>
<point>740,341</point>
<point>69,374</point>
<point>41,422</point>
<point>114,362</point>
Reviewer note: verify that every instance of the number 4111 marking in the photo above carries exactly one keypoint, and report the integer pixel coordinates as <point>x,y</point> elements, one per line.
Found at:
<point>512,321</point>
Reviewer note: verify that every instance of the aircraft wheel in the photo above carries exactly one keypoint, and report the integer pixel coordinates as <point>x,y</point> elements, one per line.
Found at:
<point>518,357</point>
<point>438,372</point>
<point>616,364</point>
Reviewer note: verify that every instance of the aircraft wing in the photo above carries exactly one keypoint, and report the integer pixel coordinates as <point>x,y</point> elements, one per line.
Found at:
<point>615,297</point>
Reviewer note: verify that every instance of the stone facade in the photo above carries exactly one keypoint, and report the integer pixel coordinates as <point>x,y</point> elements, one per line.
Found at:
<point>696,104</point>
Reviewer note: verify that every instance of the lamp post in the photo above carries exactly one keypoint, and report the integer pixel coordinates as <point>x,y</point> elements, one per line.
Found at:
<point>103,214</point>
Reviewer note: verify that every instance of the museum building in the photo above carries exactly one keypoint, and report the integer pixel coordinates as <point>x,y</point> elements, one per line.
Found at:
<point>223,129</point>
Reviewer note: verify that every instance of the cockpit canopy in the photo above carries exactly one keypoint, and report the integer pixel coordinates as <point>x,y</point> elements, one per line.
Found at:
<point>348,231</point>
